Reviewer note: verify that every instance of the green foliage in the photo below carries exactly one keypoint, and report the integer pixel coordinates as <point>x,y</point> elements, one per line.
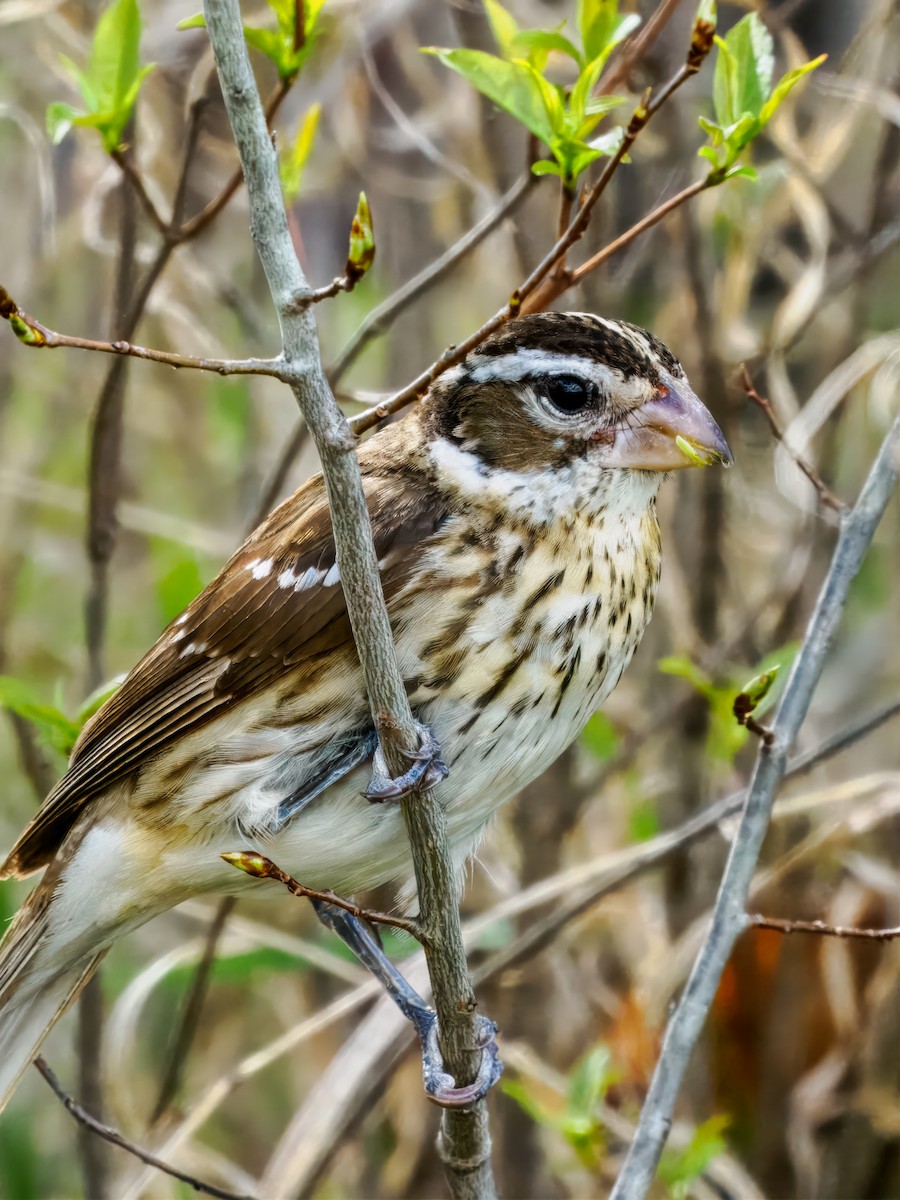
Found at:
<point>177,577</point>
<point>361,251</point>
<point>516,81</point>
<point>600,737</point>
<point>53,726</point>
<point>743,97</point>
<point>726,737</point>
<point>110,83</point>
<point>287,45</point>
<point>578,1121</point>
<point>678,1169</point>
<point>56,729</point>
<point>293,161</point>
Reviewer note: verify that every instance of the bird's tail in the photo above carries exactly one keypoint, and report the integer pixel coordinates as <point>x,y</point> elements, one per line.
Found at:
<point>37,985</point>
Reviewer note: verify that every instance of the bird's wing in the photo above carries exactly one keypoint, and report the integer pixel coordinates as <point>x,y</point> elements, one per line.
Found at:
<point>277,604</point>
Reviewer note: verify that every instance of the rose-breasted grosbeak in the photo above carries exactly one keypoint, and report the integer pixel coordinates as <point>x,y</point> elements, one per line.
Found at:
<point>514,517</point>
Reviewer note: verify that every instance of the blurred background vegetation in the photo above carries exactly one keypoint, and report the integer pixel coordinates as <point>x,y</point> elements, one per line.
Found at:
<point>796,1089</point>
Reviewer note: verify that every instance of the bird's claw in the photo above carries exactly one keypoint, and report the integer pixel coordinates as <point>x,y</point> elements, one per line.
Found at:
<point>427,771</point>
<point>440,1087</point>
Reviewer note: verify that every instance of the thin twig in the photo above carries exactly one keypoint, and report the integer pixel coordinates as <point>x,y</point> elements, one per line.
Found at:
<point>575,231</point>
<point>261,867</point>
<point>782,925</point>
<point>464,1132</point>
<point>636,47</point>
<point>113,1136</point>
<point>192,1010</point>
<point>381,318</point>
<point>729,915</point>
<point>39,337</point>
<point>123,161</point>
<point>190,229</point>
<point>826,496</point>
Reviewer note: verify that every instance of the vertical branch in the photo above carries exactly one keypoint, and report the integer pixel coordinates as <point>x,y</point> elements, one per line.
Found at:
<point>729,916</point>
<point>465,1140</point>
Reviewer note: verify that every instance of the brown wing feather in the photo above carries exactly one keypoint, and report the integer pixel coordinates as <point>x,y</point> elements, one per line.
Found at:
<point>236,638</point>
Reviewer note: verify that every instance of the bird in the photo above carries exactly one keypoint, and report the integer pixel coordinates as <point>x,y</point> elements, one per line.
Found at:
<point>513,513</point>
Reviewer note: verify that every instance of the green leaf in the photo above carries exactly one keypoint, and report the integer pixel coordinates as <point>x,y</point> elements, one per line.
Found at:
<point>503,26</point>
<point>54,727</point>
<point>96,700</point>
<point>588,1082</point>
<point>582,104</point>
<point>267,42</point>
<point>600,736</point>
<point>678,1169</point>
<point>743,75</point>
<point>602,27</point>
<point>513,86</point>
<point>785,85</point>
<point>516,1090</point>
<point>60,118</point>
<point>110,82</point>
<point>293,162</point>
<point>538,43</point>
<point>197,21</point>
<point>544,167</point>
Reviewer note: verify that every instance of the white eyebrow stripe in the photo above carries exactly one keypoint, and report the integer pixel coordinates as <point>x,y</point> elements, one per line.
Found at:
<point>525,363</point>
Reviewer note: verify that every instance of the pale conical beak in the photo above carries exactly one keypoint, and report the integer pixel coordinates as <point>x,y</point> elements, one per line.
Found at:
<point>673,430</point>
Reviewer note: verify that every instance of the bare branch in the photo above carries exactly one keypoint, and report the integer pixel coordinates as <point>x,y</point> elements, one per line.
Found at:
<point>113,1136</point>
<point>123,161</point>
<point>826,496</point>
<point>32,333</point>
<point>729,916</point>
<point>782,925</point>
<point>261,867</point>
<point>526,297</point>
<point>465,1132</point>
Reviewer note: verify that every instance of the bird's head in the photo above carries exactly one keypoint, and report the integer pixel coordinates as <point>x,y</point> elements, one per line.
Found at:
<point>575,394</point>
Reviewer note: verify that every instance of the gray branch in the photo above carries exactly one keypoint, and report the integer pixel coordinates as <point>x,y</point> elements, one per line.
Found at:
<point>465,1144</point>
<point>729,918</point>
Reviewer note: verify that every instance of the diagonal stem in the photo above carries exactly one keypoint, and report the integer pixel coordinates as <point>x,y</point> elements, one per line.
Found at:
<point>729,916</point>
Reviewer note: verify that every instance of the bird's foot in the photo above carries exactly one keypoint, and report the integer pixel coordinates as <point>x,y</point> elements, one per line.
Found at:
<point>426,772</point>
<point>440,1087</point>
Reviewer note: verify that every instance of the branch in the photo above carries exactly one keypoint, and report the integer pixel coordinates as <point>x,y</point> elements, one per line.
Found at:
<point>526,297</point>
<point>729,916</point>
<point>465,1135</point>
<point>826,496</point>
<point>32,333</point>
<point>261,867</point>
<point>381,318</point>
<point>129,170</point>
<point>109,1134</point>
<point>781,925</point>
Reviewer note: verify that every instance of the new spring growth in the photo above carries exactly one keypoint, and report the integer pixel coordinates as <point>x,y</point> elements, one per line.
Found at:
<point>702,34</point>
<point>245,860</point>
<point>750,697</point>
<point>362,242</point>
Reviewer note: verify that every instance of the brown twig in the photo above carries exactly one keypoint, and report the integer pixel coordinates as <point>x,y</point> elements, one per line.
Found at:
<point>635,47</point>
<point>261,867</point>
<point>782,925</point>
<point>192,1010</point>
<point>113,1136</point>
<point>190,229</point>
<point>124,162</point>
<point>527,291</point>
<point>33,333</point>
<point>826,496</point>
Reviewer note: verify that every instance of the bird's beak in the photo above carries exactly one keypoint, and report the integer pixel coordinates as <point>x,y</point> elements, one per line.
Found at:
<point>671,431</point>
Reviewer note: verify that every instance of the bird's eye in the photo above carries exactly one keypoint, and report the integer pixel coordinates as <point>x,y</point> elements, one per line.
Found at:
<point>569,393</point>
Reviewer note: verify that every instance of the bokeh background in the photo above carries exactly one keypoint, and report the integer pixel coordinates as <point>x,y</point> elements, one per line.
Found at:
<point>795,1091</point>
